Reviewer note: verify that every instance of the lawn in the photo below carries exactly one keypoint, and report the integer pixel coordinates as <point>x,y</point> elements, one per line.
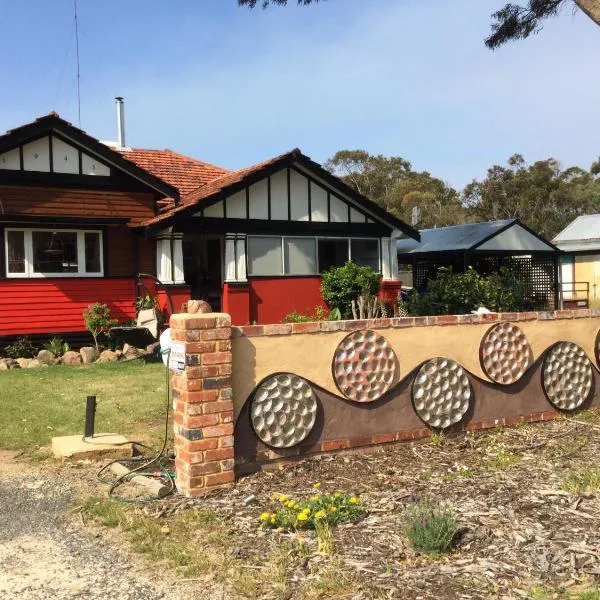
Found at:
<point>38,404</point>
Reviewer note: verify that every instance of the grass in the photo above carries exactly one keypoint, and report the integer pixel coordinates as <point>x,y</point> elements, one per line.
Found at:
<point>38,404</point>
<point>582,480</point>
<point>546,593</point>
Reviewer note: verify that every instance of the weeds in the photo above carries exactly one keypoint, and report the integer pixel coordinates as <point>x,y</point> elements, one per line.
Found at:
<point>582,480</point>
<point>500,457</point>
<point>430,528</point>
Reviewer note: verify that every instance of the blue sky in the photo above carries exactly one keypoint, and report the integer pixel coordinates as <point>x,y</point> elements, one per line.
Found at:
<point>233,86</point>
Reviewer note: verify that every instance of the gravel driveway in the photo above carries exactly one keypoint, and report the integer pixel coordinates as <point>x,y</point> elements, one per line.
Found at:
<point>45,553</point>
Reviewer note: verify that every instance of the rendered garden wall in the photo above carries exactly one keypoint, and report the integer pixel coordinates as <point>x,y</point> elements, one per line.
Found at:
<point>297,389</point>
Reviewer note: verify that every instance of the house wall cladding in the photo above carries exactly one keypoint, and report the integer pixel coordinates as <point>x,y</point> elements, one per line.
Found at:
<point>317,387</point>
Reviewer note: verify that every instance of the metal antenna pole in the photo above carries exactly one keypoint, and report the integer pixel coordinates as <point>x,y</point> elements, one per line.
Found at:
<point>77,55</point>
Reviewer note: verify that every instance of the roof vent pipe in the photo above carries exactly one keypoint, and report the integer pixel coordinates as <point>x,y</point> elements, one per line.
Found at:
<point>121,120</point>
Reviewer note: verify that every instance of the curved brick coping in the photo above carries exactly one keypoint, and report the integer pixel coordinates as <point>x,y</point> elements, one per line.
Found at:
<point>399,322</point>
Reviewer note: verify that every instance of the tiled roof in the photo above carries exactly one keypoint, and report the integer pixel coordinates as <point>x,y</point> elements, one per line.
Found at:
<point>183,172</point>
<point>219,184</point>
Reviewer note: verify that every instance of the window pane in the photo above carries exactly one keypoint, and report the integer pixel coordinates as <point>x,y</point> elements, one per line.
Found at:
<point>332,253</point>
<point>365,253</point>
<point>264,256</point>
<point>54,251</point>
<point>16,252</point>
<point>300,256</point>
<point>92,253</point>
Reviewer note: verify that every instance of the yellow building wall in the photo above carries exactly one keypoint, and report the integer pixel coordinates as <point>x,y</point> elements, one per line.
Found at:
<point>587,268</point>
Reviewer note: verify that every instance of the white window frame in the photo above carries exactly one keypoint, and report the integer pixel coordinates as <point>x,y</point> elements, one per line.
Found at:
<point>317,273</point>
<point>28,241</point>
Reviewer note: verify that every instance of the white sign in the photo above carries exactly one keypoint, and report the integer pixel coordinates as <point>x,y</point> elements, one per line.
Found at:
<point>177,357</point>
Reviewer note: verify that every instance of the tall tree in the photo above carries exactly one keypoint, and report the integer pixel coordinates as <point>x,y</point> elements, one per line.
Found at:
<point>512,22</point>
<point>390,182</point>
<point>541,195</point>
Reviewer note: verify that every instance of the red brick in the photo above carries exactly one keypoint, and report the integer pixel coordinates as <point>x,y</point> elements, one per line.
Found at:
<point>204,469</point>
<point>226,416</point>
<point>218,454</point>
<point>217,407</point>
<point>403,322</point>
<point>226,441</point>
<point>329,445</point>
<point>200,396</point>
<point>251,330</point>
<point>282,329</point>
<point>358,442</point>
<point>225,369</point>
<point>564,314</point>
<point>216,334</point>
<point>446,319</point>
<point>227,465</point>
<point>219,479</point>
<point>197,445</point>
<point>178,335</point>
<point>200,347</point>
<point>226,393</point>
<point>223,320</point>
<point>200,323</point>
<point>306,327</point>
<point>218,430</point>
<point>215,358</point>
<point>384,438</point>
<point>382,323</point>
<point>223,346</point>
<point>488,317</point>
<point>421,321</point>
<point>581,313</point>
<point>354,325</point>
<point>193,422</point>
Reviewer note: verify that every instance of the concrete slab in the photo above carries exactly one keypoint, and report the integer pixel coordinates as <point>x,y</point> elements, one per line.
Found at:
<point>101,446</point>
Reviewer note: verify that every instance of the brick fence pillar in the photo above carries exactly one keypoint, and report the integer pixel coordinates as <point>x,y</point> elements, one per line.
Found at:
<point>203,403</point>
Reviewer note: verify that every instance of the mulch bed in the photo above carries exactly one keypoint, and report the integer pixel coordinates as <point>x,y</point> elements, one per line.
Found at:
<point>519,528</point>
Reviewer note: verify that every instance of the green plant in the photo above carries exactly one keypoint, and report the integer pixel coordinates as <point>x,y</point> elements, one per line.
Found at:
<point>319,314</point>
<point>341,285</point>
<point>583,480</point>
<point>317,511</point>
<point>148,301</point>
<point>460,293</point>
<point>98,320</point>
<point>22,348</point>
<point>430,528</point>
<point>57,346</point>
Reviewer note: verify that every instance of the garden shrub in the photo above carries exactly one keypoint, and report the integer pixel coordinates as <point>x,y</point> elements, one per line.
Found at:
<point>57,346</point>
<point>341,285</point>
<point>316,511</point>
<point>98,320</point>
<point>460,293</point>
<point>319,314</point>
<point>430,528</point>
<point>22,348</point>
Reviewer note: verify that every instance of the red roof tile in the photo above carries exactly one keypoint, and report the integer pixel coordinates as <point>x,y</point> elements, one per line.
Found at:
<point>183,172</point>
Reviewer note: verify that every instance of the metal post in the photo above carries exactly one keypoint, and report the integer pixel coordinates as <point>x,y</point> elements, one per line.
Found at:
<point>90,416</point>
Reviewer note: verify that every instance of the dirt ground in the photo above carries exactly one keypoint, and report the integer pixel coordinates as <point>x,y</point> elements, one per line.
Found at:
<point>527,498</point>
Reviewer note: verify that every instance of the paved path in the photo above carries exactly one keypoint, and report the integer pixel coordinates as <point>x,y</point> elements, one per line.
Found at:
<point>46,554</point>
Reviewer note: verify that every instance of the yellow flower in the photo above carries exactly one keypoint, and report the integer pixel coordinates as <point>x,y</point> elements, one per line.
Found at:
<point>332,508</point>
<point>273,519</point>
<point>302,517</point>
<point>317,485</point>
<point>354,500</point>
<point>290,504</point>
<point>320,514</point>
<point>337,495</point>
<point>264,516</point>
<point>315,498</point>
<point>283,498</point>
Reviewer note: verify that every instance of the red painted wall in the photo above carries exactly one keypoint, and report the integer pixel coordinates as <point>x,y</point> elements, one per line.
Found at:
<point>271,299</point>
<point>236,302</point>
<point>179,294</point>
<point>56,305</point>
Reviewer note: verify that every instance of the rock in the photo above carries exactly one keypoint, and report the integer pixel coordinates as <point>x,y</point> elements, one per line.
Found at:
<point>8,363</point>
<point>71,358</point>
<point>108,356</point>
<point>198,306</point>
<point>88,355</point>
<point>153,348</point>
<point>46,357</point>
<point>119,353</point>
<point>24,362</point>
<point>34,363</point>
<point>132,353</point>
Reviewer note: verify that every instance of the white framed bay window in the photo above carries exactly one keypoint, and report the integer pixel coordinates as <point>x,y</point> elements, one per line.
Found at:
<point>296,256</point>
<point>53,253</point>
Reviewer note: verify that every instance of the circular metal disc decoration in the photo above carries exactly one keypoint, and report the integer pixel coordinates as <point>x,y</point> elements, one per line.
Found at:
<point>505,353</point>
<point>364,366</point>
<point>283,410</point>
<point>441,392</point>
<point>598,348</point>
<point>567,376</point>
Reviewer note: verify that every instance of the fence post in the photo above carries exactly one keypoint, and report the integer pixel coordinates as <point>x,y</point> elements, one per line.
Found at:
<point>203,403</point>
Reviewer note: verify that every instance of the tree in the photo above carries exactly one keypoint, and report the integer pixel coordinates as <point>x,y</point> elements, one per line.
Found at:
<point>390,182</point>
<point>514,21</point>
<point>542,195</point>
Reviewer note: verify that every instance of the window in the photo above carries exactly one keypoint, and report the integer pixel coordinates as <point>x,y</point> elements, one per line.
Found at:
<point>365,253</point>
<point>264,256</point>
<point>300,256</point>
<point>53,253</point>
<point>332,253</point>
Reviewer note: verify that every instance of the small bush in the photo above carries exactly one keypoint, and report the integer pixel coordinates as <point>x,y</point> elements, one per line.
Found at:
<point>341,285</point>
<point>318,511</point>
<point>430,528</point>
<point>319,314</point>
<point>22,348</point>
<point>98,320</point>
<point>57,346</point>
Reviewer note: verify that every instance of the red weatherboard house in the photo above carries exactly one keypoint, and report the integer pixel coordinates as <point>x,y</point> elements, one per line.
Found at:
<point>79,218</point>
